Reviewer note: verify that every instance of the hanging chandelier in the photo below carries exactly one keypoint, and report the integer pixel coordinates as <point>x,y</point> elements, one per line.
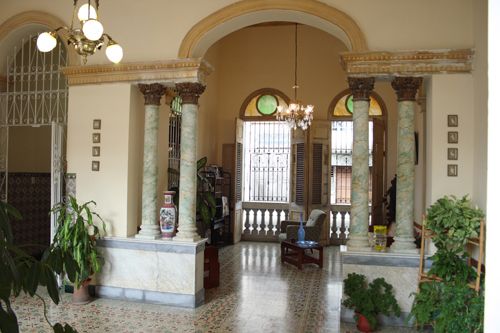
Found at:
<point>296,114</point>
<point>86,39</point>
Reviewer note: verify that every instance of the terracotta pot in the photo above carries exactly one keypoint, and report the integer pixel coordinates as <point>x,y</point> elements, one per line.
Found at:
<point>363,324</point>
<point>81,295</point>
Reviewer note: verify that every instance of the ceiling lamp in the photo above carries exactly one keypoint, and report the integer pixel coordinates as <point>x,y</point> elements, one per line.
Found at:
<point>86,39</point>
<point>296,114</point>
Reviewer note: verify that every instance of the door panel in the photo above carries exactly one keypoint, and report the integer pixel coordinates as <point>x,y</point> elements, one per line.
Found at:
<point>298,172</point>
<point>238,181</point>
<point>57,170</point>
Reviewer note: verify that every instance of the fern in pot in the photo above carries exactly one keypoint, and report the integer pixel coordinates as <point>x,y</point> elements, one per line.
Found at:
<point>74,248</point>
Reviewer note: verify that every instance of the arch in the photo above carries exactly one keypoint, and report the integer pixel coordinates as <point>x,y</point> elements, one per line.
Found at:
<point>31,22</point>
<point>259,92</point>
<point>244,13</point>
<point>347,91</point>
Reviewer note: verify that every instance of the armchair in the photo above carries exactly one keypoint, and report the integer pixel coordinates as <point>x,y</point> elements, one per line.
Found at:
<point>312,227</point>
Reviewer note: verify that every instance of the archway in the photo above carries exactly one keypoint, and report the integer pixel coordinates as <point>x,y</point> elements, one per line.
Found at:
<point>245,13</point>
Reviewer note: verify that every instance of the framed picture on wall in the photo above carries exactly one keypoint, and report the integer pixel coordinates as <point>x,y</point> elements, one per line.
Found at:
<point>96,137</point>
<point>96,151</point>
<point>96,124</point>
<point>452,120</point>
<point>95,165</point>
<point>452,154</point>
<point>452,170</point>
<point>452,137</point>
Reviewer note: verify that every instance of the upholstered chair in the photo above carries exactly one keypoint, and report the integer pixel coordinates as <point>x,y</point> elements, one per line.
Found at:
<point>312,227</point>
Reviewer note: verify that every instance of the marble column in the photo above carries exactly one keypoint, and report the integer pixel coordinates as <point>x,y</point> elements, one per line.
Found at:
<point>358,230</point>
<point>150,228</point>
<point>406,90</point>
<point>189,92</point>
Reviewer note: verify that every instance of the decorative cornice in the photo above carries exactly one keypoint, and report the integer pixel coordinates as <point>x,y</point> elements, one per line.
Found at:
<point>172,71</point>
<point>407,63</point>
<point>361,87</point>
<point>152,93</point>
<point>190,92</point>
<point>406,87</point>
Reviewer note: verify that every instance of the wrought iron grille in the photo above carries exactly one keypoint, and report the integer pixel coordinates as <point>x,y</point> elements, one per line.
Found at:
<point>341,161</point>
<point>174,149</point>
<point>266,161</point>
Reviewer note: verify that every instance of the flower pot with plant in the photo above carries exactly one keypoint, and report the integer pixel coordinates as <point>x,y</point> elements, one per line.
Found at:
<point>74,248</point>
<point>368,300</point>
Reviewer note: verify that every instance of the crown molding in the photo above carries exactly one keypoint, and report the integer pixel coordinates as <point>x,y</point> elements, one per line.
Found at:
<point>407,63</point>
<point>166,72</point>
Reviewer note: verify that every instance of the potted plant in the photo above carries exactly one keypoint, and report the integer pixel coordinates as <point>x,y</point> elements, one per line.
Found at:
<point>368,300</point>
<point>74,249</point>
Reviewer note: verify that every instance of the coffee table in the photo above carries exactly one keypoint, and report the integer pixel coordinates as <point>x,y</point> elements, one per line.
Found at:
<point>295,253</point>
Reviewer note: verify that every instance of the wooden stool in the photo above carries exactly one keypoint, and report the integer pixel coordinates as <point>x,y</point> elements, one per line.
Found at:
<point>211,267</point>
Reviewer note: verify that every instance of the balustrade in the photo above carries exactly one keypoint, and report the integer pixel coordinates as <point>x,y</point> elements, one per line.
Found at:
<point>261,221</point>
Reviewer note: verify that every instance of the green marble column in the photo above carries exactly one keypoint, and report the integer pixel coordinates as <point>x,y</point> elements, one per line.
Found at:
<point>150,228</point>
<point>189,92</point>
<point>406,89</point>
<point>358,230</point>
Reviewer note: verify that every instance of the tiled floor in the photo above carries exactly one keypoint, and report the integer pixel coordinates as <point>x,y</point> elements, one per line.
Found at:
<point>256,294</point>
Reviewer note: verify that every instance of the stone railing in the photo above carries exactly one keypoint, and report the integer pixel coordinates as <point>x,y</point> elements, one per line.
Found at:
<point>261,221</point>
<point>340,219</point>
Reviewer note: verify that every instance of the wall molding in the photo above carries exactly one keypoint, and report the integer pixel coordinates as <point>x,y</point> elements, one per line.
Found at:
<point>407,63</point>
<point>242,8</point>
<point>168,72</point>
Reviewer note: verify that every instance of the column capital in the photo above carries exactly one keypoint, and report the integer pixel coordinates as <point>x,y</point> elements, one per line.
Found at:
<point>189,91</point>
<point>361,87</point>
<point>152,93</point>
<point>406,87</point>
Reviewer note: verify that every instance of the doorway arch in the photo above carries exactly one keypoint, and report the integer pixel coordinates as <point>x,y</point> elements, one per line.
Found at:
<point>244,13</point>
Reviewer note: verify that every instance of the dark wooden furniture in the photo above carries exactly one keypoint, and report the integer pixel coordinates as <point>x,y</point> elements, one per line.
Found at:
<point>211,268</point>
<point>297,255</point>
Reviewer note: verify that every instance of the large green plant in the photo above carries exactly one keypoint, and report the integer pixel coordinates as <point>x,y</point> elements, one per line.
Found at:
<point>22,272</point>
<point>453,221</point>
<point>74,249</point>
<point>370,299</point>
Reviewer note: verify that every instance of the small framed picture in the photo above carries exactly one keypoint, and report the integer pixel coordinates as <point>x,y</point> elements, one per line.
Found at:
<point>96,137</point>
<point>452,120</point>
<point>96,124</point>
<point>95,165</point>
<point>452,170</point>
<point>96,151</point>
<point>452,154</point>
<point>452,137</point>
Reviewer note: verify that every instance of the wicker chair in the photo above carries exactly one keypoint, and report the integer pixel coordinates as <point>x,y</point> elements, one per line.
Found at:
<point>312,227</point>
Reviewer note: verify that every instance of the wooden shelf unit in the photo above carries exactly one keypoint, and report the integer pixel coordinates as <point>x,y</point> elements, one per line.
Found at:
<point>478,242</point>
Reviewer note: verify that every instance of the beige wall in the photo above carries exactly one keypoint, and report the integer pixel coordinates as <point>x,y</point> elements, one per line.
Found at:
<point>29,149</point>
<point>450,94</point>
<point>157,29</point>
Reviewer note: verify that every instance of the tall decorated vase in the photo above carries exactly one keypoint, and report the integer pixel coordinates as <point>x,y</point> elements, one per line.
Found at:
<point>167,215</point>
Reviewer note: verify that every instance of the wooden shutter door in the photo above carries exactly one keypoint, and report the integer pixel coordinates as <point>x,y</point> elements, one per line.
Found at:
<point>238,181</point>
<point>298,172</point>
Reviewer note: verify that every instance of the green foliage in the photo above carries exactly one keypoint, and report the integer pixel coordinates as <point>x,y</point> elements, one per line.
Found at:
<point>450,305</point>
<point>451,267</point>
<point>453,221</point>
<point>370,299</point>
<point>21,272</point>
<point>74,250</point>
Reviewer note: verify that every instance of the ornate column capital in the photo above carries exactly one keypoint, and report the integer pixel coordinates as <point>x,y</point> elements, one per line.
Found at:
<point>189,91</point>
<point>152,93</point>
<point>406,87</point>
<point>361,87</point>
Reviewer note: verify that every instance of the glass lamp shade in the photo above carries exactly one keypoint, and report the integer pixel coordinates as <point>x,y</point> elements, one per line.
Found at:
<point>93,29</point>
<point>83,13</point>
<point>46,42</point>
<point>114,52</point>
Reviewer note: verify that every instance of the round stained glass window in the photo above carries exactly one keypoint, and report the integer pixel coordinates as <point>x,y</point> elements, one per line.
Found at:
<point>349,103</point>
<point>267,104</point>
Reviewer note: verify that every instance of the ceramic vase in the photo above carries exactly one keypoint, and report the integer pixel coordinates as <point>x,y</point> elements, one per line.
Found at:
<point>168,215</point>
<point>301,234</point>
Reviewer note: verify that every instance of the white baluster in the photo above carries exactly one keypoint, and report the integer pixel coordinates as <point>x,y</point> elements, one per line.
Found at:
<point>246,222</point>
<point>347,223</point>
<point>338,223</point>
<point>253,218</point>
<point>265,223</point>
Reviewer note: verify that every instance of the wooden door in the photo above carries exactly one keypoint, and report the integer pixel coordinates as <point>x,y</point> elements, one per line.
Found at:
<point>298,172</point>
<point>238,182</point>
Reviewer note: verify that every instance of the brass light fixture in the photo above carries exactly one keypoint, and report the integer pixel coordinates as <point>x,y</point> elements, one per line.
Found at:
<point>296,114</point>
<point>86,39</point>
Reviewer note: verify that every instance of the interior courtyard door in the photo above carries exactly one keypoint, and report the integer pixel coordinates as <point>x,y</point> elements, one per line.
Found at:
<point>298,170</point>
<point>238,183</point>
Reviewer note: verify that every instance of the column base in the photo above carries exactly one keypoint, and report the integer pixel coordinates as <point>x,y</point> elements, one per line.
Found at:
<point>187,237</point>
<point>404,245</point>
<point>149,231</point>
<point>358,244</point>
